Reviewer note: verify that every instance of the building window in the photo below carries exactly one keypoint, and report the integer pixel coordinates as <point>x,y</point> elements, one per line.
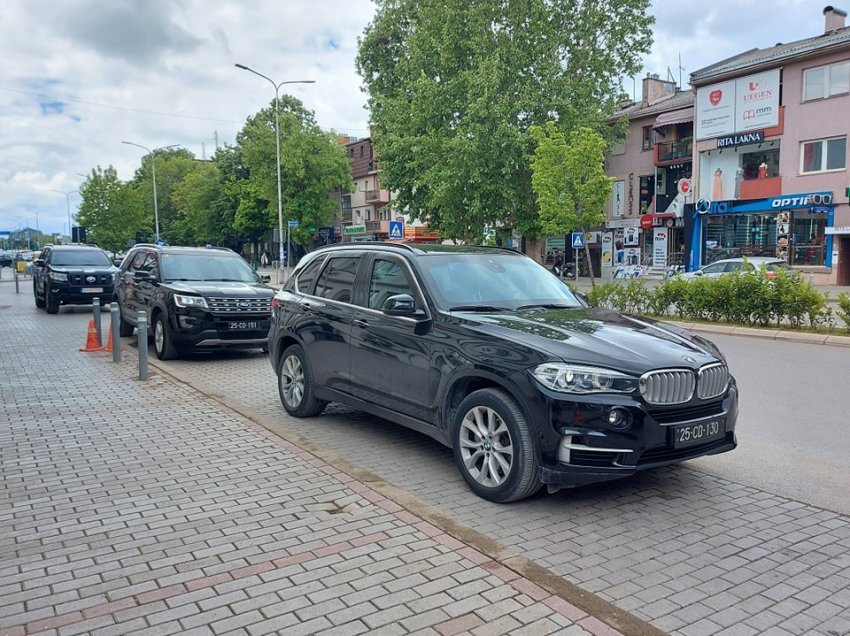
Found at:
<point>647,137</point>
<point>826,81</point>
<point>823,155</point>
<point>752,161</point>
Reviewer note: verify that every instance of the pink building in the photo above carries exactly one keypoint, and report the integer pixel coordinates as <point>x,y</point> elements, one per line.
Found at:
<point>645,215</point>
<point>771,157</point>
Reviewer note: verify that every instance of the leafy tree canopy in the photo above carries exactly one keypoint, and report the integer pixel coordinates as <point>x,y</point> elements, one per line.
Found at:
<point>110,212</point>
<point>454,85</point>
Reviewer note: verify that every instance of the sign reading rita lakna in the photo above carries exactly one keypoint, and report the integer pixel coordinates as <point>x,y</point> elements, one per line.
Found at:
<point>740,140</point>
<point>739,105</point>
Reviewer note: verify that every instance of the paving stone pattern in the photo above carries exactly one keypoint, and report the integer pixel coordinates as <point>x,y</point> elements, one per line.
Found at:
<point>131,507</point>
<point>686,551</point>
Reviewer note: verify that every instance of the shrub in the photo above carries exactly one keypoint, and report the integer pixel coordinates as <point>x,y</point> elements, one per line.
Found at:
<point>843,310</point>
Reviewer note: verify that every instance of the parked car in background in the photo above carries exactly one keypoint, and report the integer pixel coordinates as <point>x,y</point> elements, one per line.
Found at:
<point>7,258</point>
<point>200,298</point>
<point>487,352</point>
<point>729,265</point>
<point>71,275</point>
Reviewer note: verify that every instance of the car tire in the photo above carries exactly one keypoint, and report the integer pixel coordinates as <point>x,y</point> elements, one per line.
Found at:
<point>495,452</point>
<point>39,302</point>
<point>163,345</point>
<point>52,303</point>
<point>295,384</point>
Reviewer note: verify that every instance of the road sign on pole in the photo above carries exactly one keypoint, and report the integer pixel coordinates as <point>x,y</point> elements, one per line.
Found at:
<point>578,240</point>
<point>396,230</point>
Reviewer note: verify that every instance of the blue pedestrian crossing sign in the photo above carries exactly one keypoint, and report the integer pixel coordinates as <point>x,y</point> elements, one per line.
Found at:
<point>578,240</point>
<point>396,230</point>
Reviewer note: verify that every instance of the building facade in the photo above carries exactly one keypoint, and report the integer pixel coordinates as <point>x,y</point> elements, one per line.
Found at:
<point>771,156</point>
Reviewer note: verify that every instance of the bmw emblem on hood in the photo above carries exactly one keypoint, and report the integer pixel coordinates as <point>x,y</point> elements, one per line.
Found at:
<point>689,359</point>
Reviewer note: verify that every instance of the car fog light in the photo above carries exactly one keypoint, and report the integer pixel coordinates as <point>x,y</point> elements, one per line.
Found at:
<point>618,418</point>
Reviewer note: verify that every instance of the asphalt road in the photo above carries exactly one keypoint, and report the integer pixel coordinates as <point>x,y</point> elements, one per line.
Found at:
<point>794,423</point>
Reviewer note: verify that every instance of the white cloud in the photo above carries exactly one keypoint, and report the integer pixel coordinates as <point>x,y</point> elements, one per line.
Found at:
<point>80,76</point>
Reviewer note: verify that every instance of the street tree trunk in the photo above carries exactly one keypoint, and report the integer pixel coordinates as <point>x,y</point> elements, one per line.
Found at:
<point>587,257</point>
<point>536,249</point>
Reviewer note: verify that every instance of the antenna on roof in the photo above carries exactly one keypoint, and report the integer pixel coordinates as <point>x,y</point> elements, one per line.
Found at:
<point>681,68</point>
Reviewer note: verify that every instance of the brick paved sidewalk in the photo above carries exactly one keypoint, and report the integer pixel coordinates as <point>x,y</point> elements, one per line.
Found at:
<point>146,507</point>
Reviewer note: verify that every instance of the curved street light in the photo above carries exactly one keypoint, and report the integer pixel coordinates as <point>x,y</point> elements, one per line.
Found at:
<point>68,201</point>
<point>153,178</point>
<point>277,86</point>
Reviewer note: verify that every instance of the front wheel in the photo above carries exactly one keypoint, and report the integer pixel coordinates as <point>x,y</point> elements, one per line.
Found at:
<point>52,303</point>
<point>295,384</point>
<point>39,302</point>
<point>493,447</point>
<point>163,345</point>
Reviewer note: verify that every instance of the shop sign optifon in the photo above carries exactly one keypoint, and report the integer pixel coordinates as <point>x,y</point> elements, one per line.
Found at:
<point>819,200</point>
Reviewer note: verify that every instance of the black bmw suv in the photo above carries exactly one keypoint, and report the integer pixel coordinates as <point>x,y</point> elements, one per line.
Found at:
<point>71,275</point>
<point>198,298</point>
<point>486,351</point>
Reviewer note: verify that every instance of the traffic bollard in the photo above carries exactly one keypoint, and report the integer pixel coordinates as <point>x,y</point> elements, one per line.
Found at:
<point>96,306</point>
<point>143,345</point>
<point>113,326</point>
<point>17,289</point>
<point>811,279</point>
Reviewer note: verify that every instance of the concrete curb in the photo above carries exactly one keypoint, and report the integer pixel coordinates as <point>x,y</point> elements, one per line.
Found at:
<point>767,334</point>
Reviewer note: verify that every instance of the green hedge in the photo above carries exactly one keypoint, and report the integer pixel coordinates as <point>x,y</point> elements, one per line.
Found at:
<point>740,298</point>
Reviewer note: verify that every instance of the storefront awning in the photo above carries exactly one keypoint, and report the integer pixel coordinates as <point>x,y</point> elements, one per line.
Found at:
<point>674,117</point>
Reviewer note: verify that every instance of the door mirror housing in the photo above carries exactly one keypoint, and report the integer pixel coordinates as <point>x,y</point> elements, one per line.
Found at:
<point>401,305</point>
<point>141,275</point>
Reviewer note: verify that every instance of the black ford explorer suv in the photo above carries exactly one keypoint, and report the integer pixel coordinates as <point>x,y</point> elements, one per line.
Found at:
<point>195,297</point>
<point>71,275</point>
<point>486,351</point>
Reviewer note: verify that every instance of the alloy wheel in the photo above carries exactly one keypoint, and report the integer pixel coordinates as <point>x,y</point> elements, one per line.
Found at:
<point>486,447</point>
<point>292,381</point>
<point>159,335</point>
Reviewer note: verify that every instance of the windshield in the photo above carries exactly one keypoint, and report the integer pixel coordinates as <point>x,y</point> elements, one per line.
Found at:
<point>493,281</point>
<point>71,258</point>
<point>205,267</point>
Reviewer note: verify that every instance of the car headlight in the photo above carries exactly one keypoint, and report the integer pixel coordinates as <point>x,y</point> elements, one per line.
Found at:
<point>572,378</point>
<point>189,301</point>
<point>59,277</point>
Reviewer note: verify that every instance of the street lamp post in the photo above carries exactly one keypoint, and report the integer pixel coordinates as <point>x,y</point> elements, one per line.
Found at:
<point>153,178</point>
<point>277,157</point>
<point>68,201</point>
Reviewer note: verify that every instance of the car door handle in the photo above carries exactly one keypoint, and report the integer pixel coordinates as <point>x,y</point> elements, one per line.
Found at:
<point>362,323</point>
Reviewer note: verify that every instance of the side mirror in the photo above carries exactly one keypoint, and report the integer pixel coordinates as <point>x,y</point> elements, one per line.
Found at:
<point>266,278</point>
<point>141,275</point>
<point>583,299</point>
<point>39,262</point>
<point>698,272</point>
<point>401,305</point>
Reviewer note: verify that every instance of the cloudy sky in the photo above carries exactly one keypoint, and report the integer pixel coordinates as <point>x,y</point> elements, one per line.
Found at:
<point>78,77</point>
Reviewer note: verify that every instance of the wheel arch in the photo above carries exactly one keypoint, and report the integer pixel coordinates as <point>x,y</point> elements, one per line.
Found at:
<point>470,382</point>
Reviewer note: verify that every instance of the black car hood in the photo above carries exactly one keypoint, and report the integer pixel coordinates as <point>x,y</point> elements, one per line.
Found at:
<point>220,288</point>
<point>598,337</point>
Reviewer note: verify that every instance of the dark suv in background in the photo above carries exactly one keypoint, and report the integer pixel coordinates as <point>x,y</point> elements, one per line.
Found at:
<point>486,351</point>
<point>71,275</point>
<point>195,297</point>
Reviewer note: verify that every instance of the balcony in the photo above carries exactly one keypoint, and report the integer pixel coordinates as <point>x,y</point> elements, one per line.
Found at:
<point>667,152</point>
<point>378,197</point>
<point>761,188</point>
<point>378,227</point>
<point>346,215</point>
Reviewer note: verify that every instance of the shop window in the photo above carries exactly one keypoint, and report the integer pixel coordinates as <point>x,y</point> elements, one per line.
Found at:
<point>647,191</point>
<point>808,238</point>
<point>751,161</point>
<point>737,235</point>
<point>826,81</point>
<point>647,137</point>
<point>823,155</point>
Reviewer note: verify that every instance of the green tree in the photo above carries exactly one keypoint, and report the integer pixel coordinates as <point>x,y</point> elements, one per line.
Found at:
<point>312,163</point>
<point>569,180</point>
<point>454,85</point>
<point>110,211</point>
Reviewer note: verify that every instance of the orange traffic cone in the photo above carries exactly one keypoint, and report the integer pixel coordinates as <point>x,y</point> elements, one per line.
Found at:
<point>108,346</point>
<point>91,339</point>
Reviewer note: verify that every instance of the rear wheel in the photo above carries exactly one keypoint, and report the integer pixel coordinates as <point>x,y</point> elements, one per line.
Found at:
<point>295,384</point>
<point>124,328</point>
<point>494,450</point>
<point>163,345</point>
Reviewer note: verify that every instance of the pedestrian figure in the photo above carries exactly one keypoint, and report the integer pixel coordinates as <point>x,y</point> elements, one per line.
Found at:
<point>558,265</point>
<point>264,259</point>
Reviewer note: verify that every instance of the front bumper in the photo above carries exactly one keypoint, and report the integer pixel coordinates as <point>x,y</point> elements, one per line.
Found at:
<point>202,329</point>
<point>589,451</point>
<point>77,295</point>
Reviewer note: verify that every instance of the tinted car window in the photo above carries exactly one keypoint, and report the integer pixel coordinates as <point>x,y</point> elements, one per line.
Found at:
<point>95,258</point>
<point>388,279</point>
<point>308,275</point>
<point>504,280</point>
<point>714,268</point>
<point>205,267</point>
<point>337,280</point>
<point>774,267</point>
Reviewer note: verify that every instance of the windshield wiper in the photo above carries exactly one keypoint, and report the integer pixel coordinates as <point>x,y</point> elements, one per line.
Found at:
<point>547,306</point>
<point>477,308</point>
<point>225,280</point>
